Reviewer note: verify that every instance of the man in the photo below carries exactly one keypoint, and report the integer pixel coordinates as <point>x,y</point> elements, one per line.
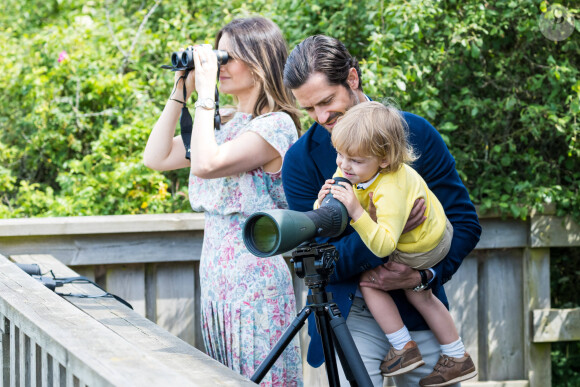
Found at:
<point>326,81</point>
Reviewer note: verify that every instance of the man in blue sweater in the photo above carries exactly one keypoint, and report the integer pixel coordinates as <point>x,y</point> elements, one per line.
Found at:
<point>326,81</point>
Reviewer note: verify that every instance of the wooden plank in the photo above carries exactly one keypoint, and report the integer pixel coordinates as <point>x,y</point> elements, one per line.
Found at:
<point>151,291</point>
<point>14,370</point>
<point>551,231</point>
<point>86,271</point>
<point>169,352</point>
<point>69,378</point>
<point>139,238</point>
<point>175,304</point>
<point>500,312</point>
<point>462,294</point>
<point>199,344</point>
<point>538,366</point>
<point>103,355</point>
<point>56,373</point>
<point>121,248</point>
<point>22,357</point>
<point>33,366</point>
<point>2,351</point>
<point>553,325</point>
<point>500,234</point>
<point>44,367</point>
<point>128,282</point>
<point>110,224</point>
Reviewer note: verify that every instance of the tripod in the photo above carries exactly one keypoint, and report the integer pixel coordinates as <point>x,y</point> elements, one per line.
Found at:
<point>315,263</point>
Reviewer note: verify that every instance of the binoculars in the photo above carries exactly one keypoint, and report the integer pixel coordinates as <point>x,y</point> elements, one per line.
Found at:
<point>183,60</point>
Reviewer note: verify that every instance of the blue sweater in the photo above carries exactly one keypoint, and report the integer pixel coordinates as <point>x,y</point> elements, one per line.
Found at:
<point>312,160</point>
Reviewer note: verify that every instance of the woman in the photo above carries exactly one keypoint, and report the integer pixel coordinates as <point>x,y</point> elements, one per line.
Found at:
<point>247,302</point>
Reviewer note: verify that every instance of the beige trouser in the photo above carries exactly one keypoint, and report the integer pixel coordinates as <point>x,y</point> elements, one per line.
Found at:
<point>430,258</point>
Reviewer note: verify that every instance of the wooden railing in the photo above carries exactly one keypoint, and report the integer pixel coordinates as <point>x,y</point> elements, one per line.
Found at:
<point>500,297</point>
<point>49,341</point>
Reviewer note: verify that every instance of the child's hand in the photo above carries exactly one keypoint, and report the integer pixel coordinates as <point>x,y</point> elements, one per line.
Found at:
<point>324,190</point>
<point>344,194</point>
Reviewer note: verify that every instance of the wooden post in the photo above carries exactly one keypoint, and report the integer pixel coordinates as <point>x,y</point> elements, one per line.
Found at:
<point>4,351</point>
<point>536,288</point>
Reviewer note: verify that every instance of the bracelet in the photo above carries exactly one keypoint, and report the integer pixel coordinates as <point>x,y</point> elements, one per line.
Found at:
<point>176,100</point>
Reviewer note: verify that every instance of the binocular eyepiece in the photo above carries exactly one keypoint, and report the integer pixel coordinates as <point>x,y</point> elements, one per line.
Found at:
<point>183,60</point>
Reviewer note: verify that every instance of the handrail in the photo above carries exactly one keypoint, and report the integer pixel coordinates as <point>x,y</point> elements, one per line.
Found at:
<point>97,342</point>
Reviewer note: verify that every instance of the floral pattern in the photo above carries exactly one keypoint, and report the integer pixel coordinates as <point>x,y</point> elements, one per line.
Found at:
<point>247,302</point>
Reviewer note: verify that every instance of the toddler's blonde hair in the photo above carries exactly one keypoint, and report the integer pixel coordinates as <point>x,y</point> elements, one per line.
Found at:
<point>373,129</point>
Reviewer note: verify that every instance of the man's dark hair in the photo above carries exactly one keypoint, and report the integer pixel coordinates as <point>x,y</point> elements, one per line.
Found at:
<point>323,54</point>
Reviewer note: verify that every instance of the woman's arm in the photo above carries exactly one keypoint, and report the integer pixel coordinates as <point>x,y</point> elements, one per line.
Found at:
<point>165,151</point>
<point>208,159</point>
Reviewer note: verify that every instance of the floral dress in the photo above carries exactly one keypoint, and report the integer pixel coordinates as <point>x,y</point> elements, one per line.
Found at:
<point>246,302</point>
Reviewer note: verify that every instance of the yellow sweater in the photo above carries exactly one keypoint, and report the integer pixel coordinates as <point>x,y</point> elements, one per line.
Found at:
<point>394,195</point>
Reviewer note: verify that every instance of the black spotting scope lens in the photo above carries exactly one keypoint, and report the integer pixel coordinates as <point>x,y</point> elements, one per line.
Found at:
<point>272,232</point>
<point>264,234</point>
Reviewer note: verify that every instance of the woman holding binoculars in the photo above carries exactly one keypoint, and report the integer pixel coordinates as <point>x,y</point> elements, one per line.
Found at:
<point>247,302</point>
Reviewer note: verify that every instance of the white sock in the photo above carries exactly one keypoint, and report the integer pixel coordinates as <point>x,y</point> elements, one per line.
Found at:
<point>399,338</point>
<point>455,349</point>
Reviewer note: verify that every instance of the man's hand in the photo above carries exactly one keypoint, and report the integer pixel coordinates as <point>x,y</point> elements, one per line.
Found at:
<point>372,210</point>
<point>392,276</point>
<point>416,216</point>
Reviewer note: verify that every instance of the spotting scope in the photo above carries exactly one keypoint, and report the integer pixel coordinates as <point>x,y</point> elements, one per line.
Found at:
<point>272,232</point>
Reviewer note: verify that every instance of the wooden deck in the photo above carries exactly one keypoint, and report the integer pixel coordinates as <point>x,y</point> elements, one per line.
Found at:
<point>500,297</point>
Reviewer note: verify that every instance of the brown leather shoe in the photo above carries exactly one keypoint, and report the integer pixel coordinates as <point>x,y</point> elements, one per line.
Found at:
<point>450,370</point>
<point>403,361</point>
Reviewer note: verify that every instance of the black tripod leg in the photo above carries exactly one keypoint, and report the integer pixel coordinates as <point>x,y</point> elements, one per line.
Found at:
<point>345,366</point>
<point>349,356</point>
<point>324,328</point>
<point>281,345</point>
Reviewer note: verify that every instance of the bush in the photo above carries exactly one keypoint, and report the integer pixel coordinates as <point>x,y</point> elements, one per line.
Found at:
<point>83,89</point>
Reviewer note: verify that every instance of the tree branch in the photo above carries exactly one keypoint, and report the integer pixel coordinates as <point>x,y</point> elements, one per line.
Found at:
<point>127,56</point>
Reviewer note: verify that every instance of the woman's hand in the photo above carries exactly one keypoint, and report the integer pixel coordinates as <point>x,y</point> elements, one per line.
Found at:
<point>343,193</point>
<point>206,67</point>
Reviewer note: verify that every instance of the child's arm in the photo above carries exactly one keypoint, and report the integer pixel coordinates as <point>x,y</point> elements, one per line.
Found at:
<point>381,234</point>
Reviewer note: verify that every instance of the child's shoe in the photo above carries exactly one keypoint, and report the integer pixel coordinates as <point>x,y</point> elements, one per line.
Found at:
<point>400,362</point>
<point>450,370</point>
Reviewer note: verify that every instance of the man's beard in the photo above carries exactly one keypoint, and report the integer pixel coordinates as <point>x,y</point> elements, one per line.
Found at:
<point>354,100</point>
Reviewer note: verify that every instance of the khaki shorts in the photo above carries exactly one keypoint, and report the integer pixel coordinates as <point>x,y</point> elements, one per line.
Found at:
<point>430,258</point>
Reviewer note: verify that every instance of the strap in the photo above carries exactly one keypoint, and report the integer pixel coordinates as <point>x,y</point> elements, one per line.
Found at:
<point>186,122</point>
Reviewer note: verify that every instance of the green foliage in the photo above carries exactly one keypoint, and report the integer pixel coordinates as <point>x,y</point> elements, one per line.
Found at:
<point>505,99</point>
<point>565,288</point>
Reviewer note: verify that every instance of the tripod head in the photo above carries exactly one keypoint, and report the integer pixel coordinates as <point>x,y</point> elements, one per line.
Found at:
<point>314,262</point>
